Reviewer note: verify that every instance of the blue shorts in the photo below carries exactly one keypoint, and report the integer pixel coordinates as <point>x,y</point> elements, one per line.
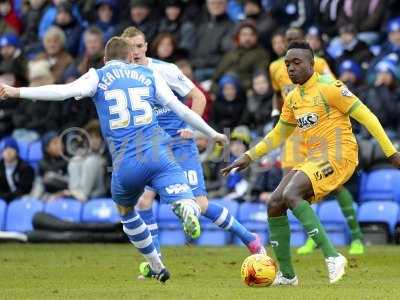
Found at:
<point>187,156</point>
<point>161,172</point>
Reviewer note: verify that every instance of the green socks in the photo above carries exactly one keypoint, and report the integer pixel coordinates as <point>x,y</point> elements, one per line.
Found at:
<point>306,215</point>
<point>280,242</point>
<point>345,200</point>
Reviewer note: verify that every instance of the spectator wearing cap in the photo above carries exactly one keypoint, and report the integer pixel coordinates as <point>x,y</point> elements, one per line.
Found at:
<point>229,104</point>
<point>351,73</point>
<point>35,118</point>
<point>9,21</point>
<point>10,51</point>
<point>106,18</point>
<point>293,13</point>
<point>212,39</point>
<point>247,57</point>
<point>141,18</point>
<point>16,176</point>
<point>7,107</point>
<point>365,16</point>
<point>174,23</point>
<point>264,21</point>
<point>383,96</point>
<point>392,45</point>
<point>54,52</point>
<point>350,47</point>
<point>314,39</point>
<point>93,40</point>
<point>67,22</point>
<point>50,14</point>
<point>31,17</point>
<point>53,175</point>
<point>235,185</point>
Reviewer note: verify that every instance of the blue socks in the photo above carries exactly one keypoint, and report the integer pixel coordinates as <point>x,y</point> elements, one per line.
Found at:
<point>221,217</point>
<point>140,237</point>
<point>148,217</point>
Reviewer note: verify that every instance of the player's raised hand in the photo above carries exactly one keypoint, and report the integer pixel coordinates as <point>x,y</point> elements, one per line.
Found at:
<point>221,139</point>
<point>185,133</point>
<point>395,160</point>
<point>7,91</point>
<point>239,164</point>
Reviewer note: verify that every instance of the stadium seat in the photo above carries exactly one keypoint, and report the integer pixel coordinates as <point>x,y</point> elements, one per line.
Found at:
<point>35,153</point>
<point>334,222</point>
<point>211,234</point>
<point>170,228</point>
<point>253,216</point>
<point>20,213</point>
<point>374,213</point>
<point>65,209</point>
<point>3,207</point>
<point>23,150</point>
<point>101,210</point>
<point>381,184</point>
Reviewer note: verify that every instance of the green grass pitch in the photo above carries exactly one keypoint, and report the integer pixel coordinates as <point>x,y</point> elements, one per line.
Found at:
<point>109,272</point>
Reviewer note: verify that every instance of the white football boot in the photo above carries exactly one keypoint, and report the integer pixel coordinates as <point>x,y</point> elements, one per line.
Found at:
<point>336,267</point>
<point>281,280</point>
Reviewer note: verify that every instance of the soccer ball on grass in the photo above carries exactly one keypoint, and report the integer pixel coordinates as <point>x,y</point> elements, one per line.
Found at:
<point>258,270</point>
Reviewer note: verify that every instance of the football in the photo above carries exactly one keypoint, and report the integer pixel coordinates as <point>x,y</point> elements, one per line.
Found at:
<point>258,270</point>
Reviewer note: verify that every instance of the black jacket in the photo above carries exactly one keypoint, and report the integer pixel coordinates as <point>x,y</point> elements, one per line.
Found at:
<point>23,177</point>
<point>213,39</point>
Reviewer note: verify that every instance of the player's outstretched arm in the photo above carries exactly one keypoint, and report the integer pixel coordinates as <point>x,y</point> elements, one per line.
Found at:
<point>166,97</point>
<point>365,117</point>
<point>272,140</point>
<point>85,86</point>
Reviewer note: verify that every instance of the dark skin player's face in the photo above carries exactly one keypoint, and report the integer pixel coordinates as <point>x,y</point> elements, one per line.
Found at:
<point>299,64</point>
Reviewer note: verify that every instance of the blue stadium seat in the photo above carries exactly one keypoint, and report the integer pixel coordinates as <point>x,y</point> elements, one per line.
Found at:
<point>211,234</point>
<point>65,209</point>
<point>101,210</point>
<point>35,153</point>
<point>3,207</point>
<point>381,185</point>
<point>386,212</point>
<point>20,213</point>
<point>297,234</point>
<point>1,145</point>
<point>170,228</point>
<point>23,150</point>
<point>334,222</point>
<point>253,216</point>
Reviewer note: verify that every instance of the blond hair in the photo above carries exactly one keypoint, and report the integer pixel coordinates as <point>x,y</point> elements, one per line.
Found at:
<point>131,32</point>
<point>116,48</point>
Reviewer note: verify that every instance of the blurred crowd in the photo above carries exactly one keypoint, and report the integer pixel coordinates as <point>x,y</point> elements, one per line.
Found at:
<point>224,46</point>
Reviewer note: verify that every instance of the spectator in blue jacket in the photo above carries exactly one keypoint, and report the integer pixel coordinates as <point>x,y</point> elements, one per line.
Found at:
<point>106,18</point>
<point>71,27</point>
